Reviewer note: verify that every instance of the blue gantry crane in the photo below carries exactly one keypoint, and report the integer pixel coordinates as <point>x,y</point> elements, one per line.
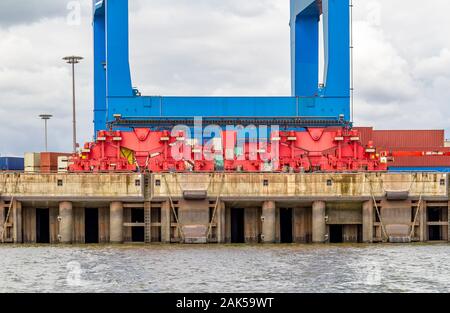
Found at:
<point>118,104</point>
<point>135,131</point>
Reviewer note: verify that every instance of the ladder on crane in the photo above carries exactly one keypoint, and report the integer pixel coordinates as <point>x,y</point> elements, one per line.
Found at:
<point>148,222</point>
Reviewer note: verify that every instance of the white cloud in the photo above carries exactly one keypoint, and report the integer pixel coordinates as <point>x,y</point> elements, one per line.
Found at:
<point>435,67</point>
<point>401,64</point>
<point>210,49</point>
<point>381,74</point>
<point>35,80</point>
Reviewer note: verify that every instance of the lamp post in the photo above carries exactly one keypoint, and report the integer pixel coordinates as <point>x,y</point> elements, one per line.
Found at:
<point>73,60</point>
<point>46,117</point>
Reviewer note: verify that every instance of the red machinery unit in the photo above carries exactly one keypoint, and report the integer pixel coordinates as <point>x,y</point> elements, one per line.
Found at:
<point>242,156</point>
<point>140,149</point>
<point>327,150</point>
<point>313,150</point>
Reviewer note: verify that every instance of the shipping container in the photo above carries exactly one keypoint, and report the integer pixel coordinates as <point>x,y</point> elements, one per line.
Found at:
<point>50,159</point>
<point>423,161</point>
<point>32,159</point>
<point>402,138</point>
<point>408,138</point>
<point>48,169</point>
<point>32,162</point>
<point>11,164</point>
<point>63,164</point>
<point>417,149</point>
<point>29,169</point>
<point>366,134</point>
<point>420,169</point>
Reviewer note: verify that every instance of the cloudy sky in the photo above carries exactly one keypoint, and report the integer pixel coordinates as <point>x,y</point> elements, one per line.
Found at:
<point>216,47</point>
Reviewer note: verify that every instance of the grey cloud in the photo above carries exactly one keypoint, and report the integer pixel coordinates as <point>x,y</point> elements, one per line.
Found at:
<point>246,8</point>
<point>204,48</point>
<point>400,76</point>
<point>25,11</point>
<point>217,47</point>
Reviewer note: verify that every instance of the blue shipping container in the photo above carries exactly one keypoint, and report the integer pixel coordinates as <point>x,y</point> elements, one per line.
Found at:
<point>12,164</point>
<point>420,169</point>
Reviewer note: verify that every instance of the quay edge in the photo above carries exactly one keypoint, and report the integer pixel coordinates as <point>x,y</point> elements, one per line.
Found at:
<point>224,208</point>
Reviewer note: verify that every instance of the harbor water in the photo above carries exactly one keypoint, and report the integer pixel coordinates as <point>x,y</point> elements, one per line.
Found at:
<point>228,268</point>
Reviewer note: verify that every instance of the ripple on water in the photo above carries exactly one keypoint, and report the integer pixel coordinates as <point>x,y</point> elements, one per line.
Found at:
<point>234,268</point>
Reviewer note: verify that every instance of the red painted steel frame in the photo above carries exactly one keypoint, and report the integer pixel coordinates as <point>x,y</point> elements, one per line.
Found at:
<point>317,149</point>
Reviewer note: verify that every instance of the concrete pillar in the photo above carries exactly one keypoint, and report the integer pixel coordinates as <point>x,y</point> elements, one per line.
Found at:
<point>221,223</point>
<point>165,222</point>
<point>66,222</point>
<point>423,228</point>
<point>367,220</point>
<point>268,222</point>
<point>448,219</point>
<point>17,218</point>
<point>116,222</point>
<point>319,226</point>
<point>2,218</point>
<point>227,225</point>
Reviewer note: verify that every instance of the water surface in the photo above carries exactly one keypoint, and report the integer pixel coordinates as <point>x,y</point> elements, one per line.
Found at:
<point>229,268</point>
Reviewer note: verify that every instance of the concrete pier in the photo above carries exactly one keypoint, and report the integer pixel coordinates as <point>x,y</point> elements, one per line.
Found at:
<point>116,222</point>
<point>318,222</point>
<point>268,222</point>
<point>66,222</point>
<point>249,208</point>
<point>367,222</point>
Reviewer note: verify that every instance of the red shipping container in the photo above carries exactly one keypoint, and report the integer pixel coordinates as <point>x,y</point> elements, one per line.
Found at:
<point>425,161</point>
<point>402,138</point>
<point>48,169</point>
<point>416,149</point>
<point>49,161</point>
<point>420,161</point>
<point>408,138</point>
<point>366,134</point>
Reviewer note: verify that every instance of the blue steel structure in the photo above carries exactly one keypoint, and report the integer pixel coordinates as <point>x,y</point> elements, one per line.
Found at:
<point>309,105</point>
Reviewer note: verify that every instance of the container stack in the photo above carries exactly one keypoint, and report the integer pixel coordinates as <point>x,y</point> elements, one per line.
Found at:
<point>410,140</point>
<point>49,161</point>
